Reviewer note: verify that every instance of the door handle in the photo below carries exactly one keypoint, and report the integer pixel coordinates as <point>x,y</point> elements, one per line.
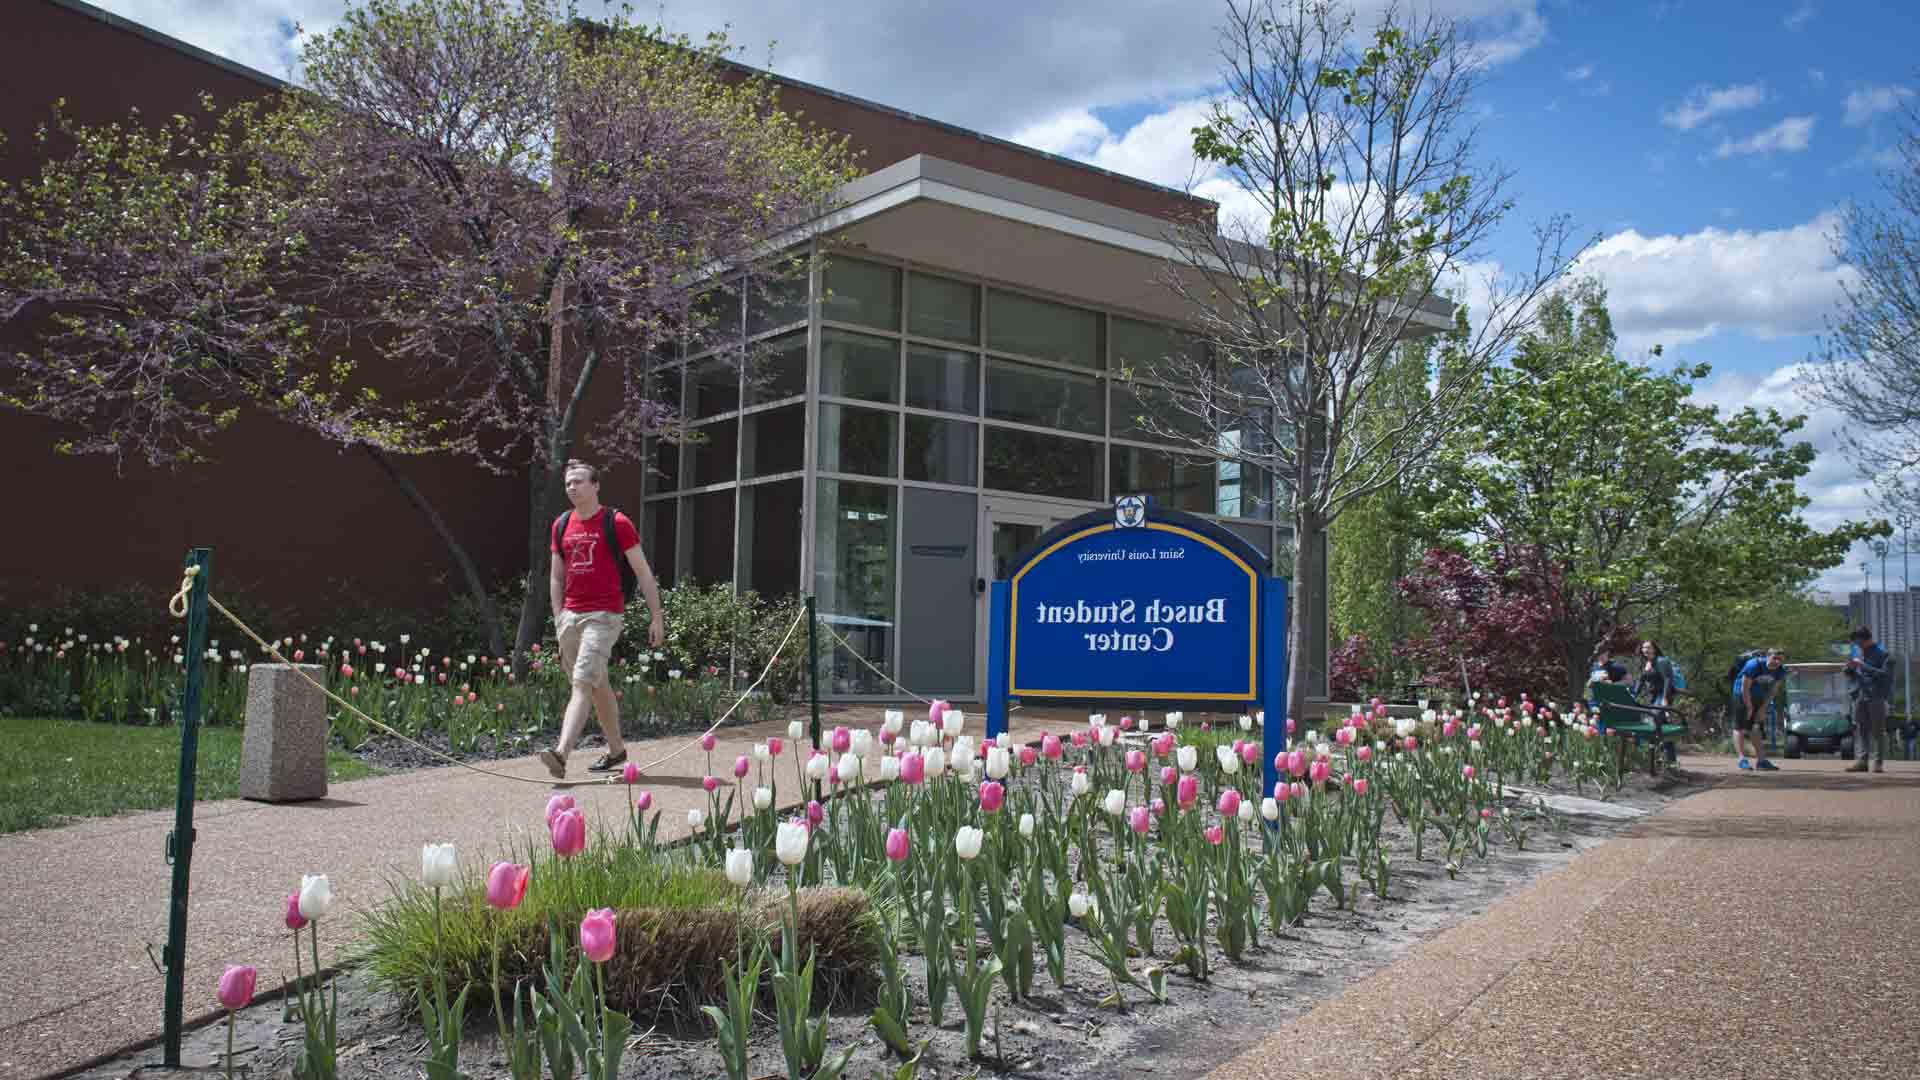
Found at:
<point>979,585</point>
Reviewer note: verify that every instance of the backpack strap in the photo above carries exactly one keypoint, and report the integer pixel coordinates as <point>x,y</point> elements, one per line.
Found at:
<point>629,581</point>
<point>559,529</point>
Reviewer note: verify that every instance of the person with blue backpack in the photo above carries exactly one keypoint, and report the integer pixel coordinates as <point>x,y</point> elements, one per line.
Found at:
<point>1753,686</point>
<point>1870,671</point>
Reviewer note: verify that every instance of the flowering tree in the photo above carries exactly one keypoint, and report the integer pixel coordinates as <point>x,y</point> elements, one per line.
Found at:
<point>508,213</point>
<point>1488,626</point>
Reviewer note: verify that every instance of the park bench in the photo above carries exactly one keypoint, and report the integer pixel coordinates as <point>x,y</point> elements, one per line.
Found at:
<point>1622,715</point>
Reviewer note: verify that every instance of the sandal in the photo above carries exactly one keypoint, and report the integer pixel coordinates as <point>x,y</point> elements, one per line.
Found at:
<point>555,764</point>
<point>608,762</point>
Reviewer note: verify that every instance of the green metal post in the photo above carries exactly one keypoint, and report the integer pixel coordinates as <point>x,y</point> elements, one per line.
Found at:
<point>813,675</point>
<point>180,840</point>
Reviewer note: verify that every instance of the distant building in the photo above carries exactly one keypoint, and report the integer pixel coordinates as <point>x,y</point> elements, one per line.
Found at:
<point>1890,614</point>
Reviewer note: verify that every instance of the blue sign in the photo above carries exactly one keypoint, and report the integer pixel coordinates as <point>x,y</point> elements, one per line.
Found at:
<point>1140,604</point>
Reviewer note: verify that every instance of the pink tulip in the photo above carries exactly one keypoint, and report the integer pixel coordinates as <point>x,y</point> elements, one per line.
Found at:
<point>1317,772</point>
<point>1296,763</point>
<point>935,712</point>
<point>1168,774</point>
<point>1249,754</point>
<point>557,804</point>
<point>630,774</point>
<point>1126,723</point>
<point>299,655</point>
<point>1136,760</point>
<point>708,742</point>
<point>1139,820</point>
<point>507,885</point>
<point>1344,736</point>
<point>644,803</point>
<point>1237,744</point>
<point>1028,756</point>
<point>1229,803</point>
<point>841,740</point>
<point>1281,791</point>
<point>1299,790</point>
<point>1289,725</point>
<point>569,833</point>
<point>897,843</point>
<point>815,813</point>
<point>1215,834</point>
<point>992,796</point>
<point>596,935</point>
<point>236,986</point>
<point>1364,754</point>
<point>740,767</point>
<point>1500,704</point>
<point>1541,732</point>
<point>1079,740</point>
<point>295,920</point>
<point>1163,745</point>
<point>1188,792</point>
<point>1159,808</point>
<point>774,746</point>
<point>711,783</point>
<point>1466,771</point>
<point>1473,732</point>
<point>346,671</point>
<point>913,768</point>
<point>1050,747</point>
<point>887,737</point>
<point>1411,744</point>
<point>1360,786</point>
<point>1486,814</point>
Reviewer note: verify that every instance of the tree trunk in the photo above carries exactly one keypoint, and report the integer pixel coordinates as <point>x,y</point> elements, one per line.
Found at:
<point>533,609</point>
<point>489,613</point>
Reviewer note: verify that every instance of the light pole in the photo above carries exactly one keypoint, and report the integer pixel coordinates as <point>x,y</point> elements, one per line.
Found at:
<point>1907,639</point>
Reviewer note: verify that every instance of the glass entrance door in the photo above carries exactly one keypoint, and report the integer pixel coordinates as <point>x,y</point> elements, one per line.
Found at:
<point>1009,526</point>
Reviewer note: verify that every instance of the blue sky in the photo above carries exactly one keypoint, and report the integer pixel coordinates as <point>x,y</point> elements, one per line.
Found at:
<point>1708,144</point>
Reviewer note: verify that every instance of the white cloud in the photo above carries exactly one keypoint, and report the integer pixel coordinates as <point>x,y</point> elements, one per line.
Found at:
<point>1790,135</point>
<point>1708,102</point>
<point>1817,76</point>
<point>1675,289</point>
<point>1800,16</point>
<point>1864,105</point>
<point>1580,74</point>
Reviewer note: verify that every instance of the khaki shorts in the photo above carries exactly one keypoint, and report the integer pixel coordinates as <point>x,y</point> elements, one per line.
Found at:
<point>586,644</point>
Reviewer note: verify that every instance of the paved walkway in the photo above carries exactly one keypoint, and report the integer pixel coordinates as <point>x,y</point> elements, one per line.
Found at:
<point>1767,928</point>
<point>80,904</point>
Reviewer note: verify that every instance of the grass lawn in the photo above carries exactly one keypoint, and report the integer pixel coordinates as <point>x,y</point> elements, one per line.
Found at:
<point>56,769</point>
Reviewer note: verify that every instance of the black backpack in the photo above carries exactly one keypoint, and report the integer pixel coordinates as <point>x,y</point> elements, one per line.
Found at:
<point>629,581</point>
<point>1740,662</point>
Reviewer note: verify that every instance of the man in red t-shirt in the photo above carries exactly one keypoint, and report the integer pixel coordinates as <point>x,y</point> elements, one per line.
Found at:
<point>589,612</point>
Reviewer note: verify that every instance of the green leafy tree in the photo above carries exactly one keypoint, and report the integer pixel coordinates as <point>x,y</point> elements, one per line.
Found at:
<point>1704,637</point>
<point>1636,500</point>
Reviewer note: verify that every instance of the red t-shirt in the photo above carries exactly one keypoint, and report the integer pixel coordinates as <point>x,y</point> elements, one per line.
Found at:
<point>593,578</point>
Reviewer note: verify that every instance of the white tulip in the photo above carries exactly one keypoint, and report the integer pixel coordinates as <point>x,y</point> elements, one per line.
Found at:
<point>316,897</point>
<point>438,865</point>
<point>1229,761</point>
<point>1379,746</point>
<point>999,763</point>
<point>849,767</point>
<point>696,818</point>
<point>1107,735</point>
<point>966,775</point>
<point>1269,809</point>
<point>761,753</point>
<point>1080,784</point>
<point>892,720</point>
<point>1026,824</point>
<point>860,741</point>
<point>966,842</point>
<point>1004,741</point>
<point>1187,758</point>
<point>817,766</point>
<point>1474,745</point>
<point>921,734</point>
<point>795,732</point>
<point>936,762</point>
<point>1116,802</point>
<point>790,842</point>
<point>1098,719</point>
<point>1079,904</point>
<point>1246,809</point>
<point>1174,719</point>
<point>1246,723</point>
<point>963,751</point>
<point>740,867</point>
<point>762,798</point>
<point>953,723</point>
<point>1403,726</point>
<point>889,768</point>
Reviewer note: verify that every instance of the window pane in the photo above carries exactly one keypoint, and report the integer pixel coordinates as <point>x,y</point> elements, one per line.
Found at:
<point>943,379</point>
<point>770,538</point>
<point>1137,405</point>
<point>665,461</point>
<point>775,441</point>
<point>856,440</point>
<point>940,451</point>
<point>1044,397</point>
<point>862,293</point>
<point>1175,481</point>
<point>715,387</point>
<point>1142,347</point>
<point>1022,324</point>
<point>658,538</point>
<point>1043,464</point>
<point>855,530</point>
<point>858,366</point>
<point>713,454</point>
<point>777,369</point>
<point>1246,491</point>
<point>942,308</point>
<point>776,302</point>
<point>709,541</point>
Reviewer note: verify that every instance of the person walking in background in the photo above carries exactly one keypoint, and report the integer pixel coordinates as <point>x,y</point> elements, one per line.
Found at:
<point>1871,673</point>
<point>1753,687</point>
<point>1656,684</point>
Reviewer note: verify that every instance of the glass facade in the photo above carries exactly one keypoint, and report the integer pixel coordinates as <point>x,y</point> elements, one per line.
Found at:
<point>899,391</point>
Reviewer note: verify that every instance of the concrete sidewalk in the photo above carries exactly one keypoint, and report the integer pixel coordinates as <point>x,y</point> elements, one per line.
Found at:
<point>80,904</point>
<point>1765,928</point>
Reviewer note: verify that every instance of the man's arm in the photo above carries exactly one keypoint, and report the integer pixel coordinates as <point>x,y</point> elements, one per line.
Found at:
<point>649,588</point>
<point>557,584</point>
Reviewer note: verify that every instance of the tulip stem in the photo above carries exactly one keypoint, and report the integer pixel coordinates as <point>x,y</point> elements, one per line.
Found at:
<point>230,1044</point>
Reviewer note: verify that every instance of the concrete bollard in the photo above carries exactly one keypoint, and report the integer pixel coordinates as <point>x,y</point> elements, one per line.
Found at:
<point>283,757</point>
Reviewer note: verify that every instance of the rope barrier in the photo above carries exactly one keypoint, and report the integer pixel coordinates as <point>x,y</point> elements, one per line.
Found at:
<point>831,632</point>
<point>178,607</point>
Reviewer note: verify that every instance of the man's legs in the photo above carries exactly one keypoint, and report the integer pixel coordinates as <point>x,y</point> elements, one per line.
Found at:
<point>606,708</point>
<point>586,644</point>
<point>1867,716</point>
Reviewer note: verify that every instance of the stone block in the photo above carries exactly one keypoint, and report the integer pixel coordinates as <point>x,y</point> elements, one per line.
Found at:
<point>283,756</point>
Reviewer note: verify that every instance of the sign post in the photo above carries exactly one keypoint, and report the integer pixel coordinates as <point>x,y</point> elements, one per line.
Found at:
<point>1141,604</point>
